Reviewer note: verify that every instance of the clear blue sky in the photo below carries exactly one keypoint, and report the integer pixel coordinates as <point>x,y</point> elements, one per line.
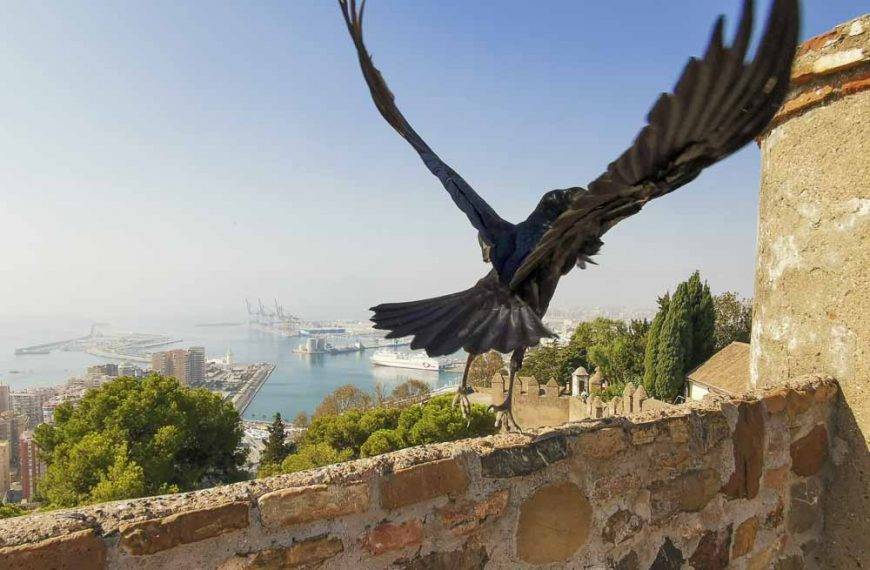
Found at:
<point>167,156</point>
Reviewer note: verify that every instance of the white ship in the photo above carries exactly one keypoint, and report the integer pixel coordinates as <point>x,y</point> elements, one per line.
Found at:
<point>416,361</point>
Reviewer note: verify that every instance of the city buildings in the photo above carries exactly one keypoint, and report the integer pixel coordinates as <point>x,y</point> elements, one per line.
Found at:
<point>5,467</point>
<point>5,401</point>
<point>188,366</point>
<point>29,403</point>
<point>12,424</point>
<point>31,469</point>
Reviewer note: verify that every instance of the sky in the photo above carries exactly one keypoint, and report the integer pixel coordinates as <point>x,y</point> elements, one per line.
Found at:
<point>174,158</point>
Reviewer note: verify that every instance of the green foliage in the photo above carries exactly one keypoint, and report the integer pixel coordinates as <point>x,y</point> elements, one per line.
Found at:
<point>314,455</point>
<point>681,337</point>
<point>139,436</point>
<point>484,367</point>
<point>343,399</point>
<point>614,347</point>
<point>410,389</point>
<point>733,319</point>
<point>331,439</point>
<point>301,420</point>
<point>9,511</point>
<point>277,447</point>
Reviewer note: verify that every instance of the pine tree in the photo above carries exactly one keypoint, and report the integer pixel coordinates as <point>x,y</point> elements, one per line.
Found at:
<point>674,339</point>
<point>652,345</point>
<point>276,448</point>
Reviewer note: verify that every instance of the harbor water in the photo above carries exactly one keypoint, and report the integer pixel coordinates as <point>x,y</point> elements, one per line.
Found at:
<point>298,383</point>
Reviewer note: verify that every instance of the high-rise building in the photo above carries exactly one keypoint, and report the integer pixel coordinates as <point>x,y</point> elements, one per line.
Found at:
<point>12,424</point>
<point>5,467</point>
<point>31,469</point>
<point>29,403</point>
<point>5,401</point>
<point>188,366</point>
<point>107,369</point>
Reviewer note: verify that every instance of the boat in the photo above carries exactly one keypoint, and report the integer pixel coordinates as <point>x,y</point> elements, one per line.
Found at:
<point>415,361</point>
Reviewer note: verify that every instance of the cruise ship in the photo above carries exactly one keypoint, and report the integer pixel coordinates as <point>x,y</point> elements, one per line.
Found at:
<point>396,359</point>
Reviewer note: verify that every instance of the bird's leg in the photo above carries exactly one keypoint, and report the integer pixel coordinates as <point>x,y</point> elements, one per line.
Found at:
<point>504,418</point>
<point>461,398</point>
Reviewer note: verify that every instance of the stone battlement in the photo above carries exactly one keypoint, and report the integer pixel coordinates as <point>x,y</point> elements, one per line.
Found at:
<point>727,479</point>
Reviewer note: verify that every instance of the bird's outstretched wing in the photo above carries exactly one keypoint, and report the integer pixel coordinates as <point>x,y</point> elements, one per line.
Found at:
<point>481,214</point>
<point>719,104</point>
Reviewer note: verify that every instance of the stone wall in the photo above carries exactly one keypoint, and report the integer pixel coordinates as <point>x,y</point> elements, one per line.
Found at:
<point>812,297</point>
<point>536,405</point>
<point>730,481</point>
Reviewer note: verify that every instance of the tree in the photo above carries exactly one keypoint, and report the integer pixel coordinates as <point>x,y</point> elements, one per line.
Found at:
<point>314,455</point>
<point>410,389</point>
<point>733,319</point>
<point>343,399</point>
<point>621,358</point>
<point>652,344</point>
<point>276,448</point>
<point>681,337</point>
<point>301,420</point>
<point>139,436</point>
<point>484,367</point>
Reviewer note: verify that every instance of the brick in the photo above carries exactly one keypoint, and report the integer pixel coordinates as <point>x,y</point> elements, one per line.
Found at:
<point>804,100</point>
<point>390,536</point>
<point>554,523</point>
<point>602,443</point>
<point>689,492</point>
<point>465,517</point>
<point>748,440</point>
<point>855,86</point>
<point>304,553</point>
<point>774,401</point>
<point>712,552</point>
<point>148,537</point>
<point>76,550</point>
<point>297,505</point>
<point>525,459</point>
<point>809,453</point>
<point>423,482</point>
<point>744,537</point>
<point>620,526</point>
<point>466,558</point>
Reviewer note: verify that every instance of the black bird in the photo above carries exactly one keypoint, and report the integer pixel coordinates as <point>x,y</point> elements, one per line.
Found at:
<point>720,103</point>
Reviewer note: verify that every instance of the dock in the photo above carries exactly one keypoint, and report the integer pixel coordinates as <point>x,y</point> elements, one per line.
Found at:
<point>249,391</point>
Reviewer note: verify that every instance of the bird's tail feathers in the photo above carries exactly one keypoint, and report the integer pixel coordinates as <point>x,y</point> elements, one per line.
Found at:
<point>485,317</point>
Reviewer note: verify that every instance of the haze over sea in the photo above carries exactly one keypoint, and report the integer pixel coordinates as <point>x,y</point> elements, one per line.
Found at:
<point>298,383</point>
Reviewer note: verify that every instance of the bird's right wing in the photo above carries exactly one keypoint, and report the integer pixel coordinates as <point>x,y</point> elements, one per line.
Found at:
<point>480,214</point>
<point>720,103</point>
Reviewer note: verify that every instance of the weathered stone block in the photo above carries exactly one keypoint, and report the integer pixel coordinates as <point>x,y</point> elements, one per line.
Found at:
<point>602,443</point>
<point>621,525</point>
<point>689,492</point>
<point>744,537</point>
<point>805,506</point>
<point>148,537</point>
<point>798,402</point>
<point>82,549</point>
<point>523,460</point>
<point>466,516</point>
<point>775,516</point>
<point>680,429</point>
<point>628,562</point>
<point>641,434</point>
<point>748,440</point>
<point>423,482</point>
<point>302,554</point>
<point>553,524</point>
<point>669,557</point>
<point>774,401</point>
<point>297,505</point>
<point>467,558</point>
<point>390,536</point>
<point>809,453</point>
<point>609,487</point>
<point>712,552</point>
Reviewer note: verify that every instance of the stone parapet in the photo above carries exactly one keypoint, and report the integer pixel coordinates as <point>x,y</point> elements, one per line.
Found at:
<point>730,480</point>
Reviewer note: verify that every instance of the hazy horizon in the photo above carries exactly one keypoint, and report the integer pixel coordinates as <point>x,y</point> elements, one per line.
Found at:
<point>172,159</point>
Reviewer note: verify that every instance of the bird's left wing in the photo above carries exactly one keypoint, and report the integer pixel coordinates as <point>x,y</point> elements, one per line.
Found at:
<point>720,103</point>
<point>480,214</point>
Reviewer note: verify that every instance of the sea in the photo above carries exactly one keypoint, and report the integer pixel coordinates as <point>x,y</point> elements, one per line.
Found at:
<point>298,383</point>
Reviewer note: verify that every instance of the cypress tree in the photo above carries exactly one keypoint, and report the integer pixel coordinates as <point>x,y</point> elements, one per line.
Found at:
<point>674,340</point>
<point>276,448</point>
<point>704,329</point>
<point>652,345</point>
